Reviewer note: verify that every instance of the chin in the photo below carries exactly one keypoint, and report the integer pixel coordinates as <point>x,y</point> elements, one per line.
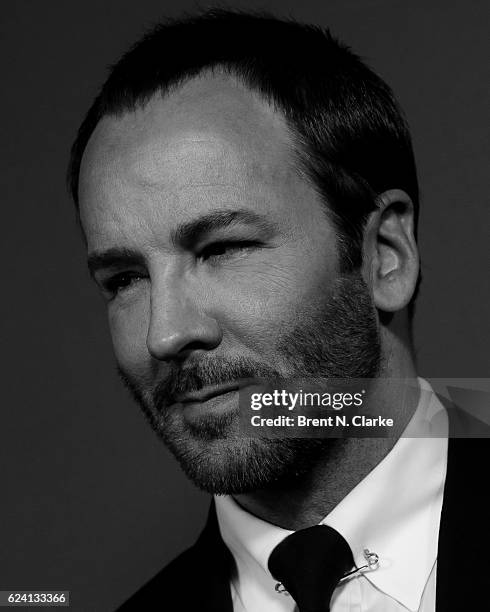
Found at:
<point>219,460</point>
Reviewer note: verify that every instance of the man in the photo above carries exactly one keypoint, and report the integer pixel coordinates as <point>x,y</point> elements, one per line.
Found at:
<point>248,195</point>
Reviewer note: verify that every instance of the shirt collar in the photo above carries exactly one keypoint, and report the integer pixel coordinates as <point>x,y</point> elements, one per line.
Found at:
<point>392,512</point>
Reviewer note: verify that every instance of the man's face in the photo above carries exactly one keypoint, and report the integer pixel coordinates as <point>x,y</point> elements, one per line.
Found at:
<point>218,264</point>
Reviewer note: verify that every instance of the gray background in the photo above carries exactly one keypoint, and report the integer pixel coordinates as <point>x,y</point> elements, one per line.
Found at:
<point>90,501</point>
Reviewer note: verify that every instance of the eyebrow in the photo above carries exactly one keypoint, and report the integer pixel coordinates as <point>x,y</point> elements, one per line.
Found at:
<point>185,235</point>
<point>189,233</point>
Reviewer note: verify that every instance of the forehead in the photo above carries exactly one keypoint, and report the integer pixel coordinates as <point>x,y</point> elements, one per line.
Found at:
<point>211,143</point>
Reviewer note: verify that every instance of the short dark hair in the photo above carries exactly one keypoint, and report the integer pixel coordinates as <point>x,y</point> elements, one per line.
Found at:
<point>352,140</point>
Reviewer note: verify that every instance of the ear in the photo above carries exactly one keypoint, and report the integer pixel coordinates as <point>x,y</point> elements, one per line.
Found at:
<point>391,259</point>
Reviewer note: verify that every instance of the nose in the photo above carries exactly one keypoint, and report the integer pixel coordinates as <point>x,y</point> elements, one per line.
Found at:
<point>179,325</point>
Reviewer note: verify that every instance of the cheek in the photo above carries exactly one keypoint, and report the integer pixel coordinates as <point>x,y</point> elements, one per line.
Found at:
<point>262,303</point>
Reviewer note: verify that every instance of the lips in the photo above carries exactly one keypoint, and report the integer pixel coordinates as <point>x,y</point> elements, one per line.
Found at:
<point>208,392</point>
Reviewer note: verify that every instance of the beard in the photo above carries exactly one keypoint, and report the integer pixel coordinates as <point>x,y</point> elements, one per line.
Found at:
<point>338,339</point>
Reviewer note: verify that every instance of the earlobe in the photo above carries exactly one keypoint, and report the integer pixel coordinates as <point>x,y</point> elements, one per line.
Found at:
<point>391,250</point>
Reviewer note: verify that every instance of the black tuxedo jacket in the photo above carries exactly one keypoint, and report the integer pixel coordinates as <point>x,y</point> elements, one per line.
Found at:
<point>198,580</point>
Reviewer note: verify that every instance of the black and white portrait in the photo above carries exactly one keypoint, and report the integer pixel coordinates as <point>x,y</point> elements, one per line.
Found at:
<point>247,363</point>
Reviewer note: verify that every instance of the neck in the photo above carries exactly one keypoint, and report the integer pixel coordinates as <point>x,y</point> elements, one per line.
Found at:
<point>308,500</point>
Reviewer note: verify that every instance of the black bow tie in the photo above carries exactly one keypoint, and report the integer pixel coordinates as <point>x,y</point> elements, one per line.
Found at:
<point>310,563</point>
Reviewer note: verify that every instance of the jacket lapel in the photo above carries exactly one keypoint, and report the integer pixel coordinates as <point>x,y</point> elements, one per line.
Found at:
<point>198,579</point>
<point>463,534</point>
<point>216,566</point>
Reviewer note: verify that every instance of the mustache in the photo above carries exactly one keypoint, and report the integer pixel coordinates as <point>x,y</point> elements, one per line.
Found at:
<point>211,372</point>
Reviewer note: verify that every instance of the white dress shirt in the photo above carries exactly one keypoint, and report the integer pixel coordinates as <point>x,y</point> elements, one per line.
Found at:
<point>394,512</point>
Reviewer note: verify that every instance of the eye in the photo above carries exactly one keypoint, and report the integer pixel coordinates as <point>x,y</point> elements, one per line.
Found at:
<point>225,249</point>
<point>119,282</point>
